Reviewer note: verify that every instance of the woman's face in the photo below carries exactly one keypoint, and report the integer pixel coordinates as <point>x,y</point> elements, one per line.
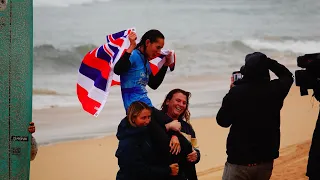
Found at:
<point>154,49</point>
<point>176,105</point>
<point>143,119</point>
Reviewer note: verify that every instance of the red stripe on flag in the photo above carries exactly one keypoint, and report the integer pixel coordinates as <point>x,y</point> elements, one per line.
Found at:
<point>97,63</point>
<point>154,69</point>
<point>124,51</point>
<point>88,104</point>
<point>113,83</point>
<point>117,42</point>
<point>107,51</point>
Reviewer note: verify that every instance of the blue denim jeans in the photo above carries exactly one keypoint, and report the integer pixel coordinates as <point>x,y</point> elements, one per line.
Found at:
<point>261,171</point>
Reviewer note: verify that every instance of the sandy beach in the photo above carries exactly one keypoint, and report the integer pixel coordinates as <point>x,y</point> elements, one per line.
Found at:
<point>210,39</point>
<point>94,159</point>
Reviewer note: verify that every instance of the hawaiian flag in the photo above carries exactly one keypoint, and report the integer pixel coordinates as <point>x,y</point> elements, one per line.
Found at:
<point>95,75</point>
<point>157,63</point>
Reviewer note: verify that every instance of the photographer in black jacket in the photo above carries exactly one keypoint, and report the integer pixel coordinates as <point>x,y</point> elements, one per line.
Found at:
<point>309,78</point>
<point>252,109</point>
<point>313,168</point>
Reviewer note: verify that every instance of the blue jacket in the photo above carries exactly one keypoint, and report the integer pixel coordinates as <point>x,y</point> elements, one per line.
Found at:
<point>135,80</point>
<point>137,158</point>
<point>135,74</point>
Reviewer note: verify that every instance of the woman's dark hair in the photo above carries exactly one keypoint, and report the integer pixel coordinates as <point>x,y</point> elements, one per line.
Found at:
<point>152,35</point>
<point>184,115</point>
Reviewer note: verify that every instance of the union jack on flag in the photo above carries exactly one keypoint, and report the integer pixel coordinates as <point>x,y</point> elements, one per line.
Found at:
<point>95,75</point>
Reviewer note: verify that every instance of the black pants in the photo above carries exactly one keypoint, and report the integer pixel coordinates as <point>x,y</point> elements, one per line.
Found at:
<point>313,166</point>
<point>313,178</point>
<point>159,135</point>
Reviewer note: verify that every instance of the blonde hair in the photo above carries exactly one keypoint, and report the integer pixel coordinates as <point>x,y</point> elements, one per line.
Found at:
<point>134,110</point>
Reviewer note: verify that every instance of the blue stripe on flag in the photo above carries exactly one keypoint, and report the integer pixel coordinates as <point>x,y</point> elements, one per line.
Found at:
<point>114,49</point>
<point>94,75</point>
<point>102,54</point>
<point>118,34</point>
<point>161,56</point>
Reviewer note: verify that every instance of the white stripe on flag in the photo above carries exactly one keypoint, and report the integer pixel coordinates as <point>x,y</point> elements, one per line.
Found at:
<point>116,77</point>
<point>88,84</point>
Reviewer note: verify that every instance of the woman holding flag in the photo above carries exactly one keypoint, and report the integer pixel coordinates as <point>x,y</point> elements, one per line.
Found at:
<point>134,67</point>
<point>135,74</point>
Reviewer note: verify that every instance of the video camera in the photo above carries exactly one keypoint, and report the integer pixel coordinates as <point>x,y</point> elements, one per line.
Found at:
<point>309,78</point>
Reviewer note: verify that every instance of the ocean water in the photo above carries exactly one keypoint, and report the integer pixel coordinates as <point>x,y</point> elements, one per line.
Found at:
<point>210,37</point>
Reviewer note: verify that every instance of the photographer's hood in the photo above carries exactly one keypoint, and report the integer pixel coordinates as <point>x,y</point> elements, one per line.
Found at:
<point>256,67</point>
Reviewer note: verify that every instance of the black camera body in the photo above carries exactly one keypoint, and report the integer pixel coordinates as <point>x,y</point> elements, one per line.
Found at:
<point>309,77</point>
